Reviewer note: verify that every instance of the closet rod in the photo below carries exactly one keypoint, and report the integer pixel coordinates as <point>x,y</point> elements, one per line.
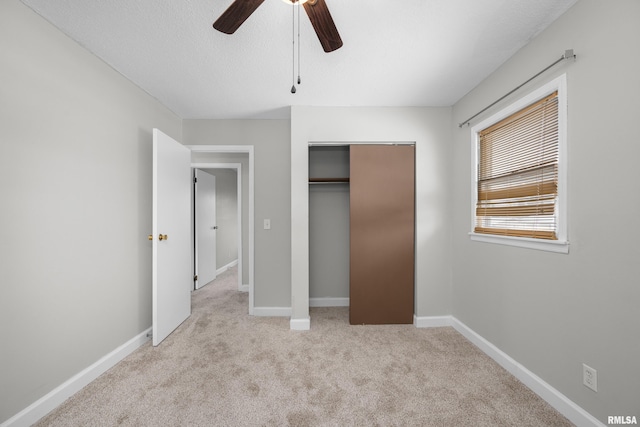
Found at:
<point>567,54</point>
<point>328,182</point>
<point>344,144</point>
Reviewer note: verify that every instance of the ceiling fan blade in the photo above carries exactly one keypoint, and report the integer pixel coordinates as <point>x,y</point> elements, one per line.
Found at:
<point>235,15</point>
<point>323,24</point>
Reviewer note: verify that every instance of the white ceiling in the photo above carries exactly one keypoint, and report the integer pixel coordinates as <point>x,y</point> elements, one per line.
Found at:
<point>395,53</point>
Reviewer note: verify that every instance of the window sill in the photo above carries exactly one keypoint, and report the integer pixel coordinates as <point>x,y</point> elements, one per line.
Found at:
<point>523,242</point>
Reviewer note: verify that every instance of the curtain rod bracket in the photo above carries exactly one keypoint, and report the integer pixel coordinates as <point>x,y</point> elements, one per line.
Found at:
<point>568,54</point>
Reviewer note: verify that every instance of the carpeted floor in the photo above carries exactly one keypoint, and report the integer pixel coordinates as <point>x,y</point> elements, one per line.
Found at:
<point>222,367</point>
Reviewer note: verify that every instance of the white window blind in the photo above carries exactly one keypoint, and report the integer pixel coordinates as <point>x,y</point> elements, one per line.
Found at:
<point>518,173</point>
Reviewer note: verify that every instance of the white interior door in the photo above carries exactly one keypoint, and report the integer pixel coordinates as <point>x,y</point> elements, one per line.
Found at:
<point>171,239</point>
<point>206,228</point>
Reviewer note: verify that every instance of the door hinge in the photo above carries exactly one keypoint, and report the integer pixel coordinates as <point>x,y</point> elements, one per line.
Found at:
<point>195,278</point>
<point>195,180</point>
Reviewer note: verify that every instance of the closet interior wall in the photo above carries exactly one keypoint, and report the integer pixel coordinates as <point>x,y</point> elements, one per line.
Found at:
<point>328,225</point>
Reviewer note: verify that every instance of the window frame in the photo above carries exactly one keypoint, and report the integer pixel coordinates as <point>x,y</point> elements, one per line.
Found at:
<point>561,245</point>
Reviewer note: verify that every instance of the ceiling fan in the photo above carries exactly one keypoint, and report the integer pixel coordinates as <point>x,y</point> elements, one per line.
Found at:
<point>317,11</point>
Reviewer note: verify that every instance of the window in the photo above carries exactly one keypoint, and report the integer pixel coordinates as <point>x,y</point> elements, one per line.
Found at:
<point>519,195</point>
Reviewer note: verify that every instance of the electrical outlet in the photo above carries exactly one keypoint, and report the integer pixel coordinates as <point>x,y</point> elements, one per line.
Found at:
<point>590,377</point>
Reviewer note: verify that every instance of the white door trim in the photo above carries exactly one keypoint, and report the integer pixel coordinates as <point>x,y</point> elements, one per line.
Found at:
<point>237,149</point>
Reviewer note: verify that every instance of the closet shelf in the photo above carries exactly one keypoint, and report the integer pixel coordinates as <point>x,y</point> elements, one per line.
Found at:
<point>328,180</point>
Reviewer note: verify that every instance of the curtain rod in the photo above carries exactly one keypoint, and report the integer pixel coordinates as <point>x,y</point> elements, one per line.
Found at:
<point>346,144</point>
<point>567,54</point>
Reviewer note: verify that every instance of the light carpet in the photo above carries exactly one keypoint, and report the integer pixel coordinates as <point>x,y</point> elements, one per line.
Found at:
<point>222,367</point>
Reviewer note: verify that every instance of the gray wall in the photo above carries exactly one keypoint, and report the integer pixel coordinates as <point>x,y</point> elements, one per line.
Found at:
<point>271,141</point>
<point>75,179</point>
<point>226,215</point>
<point>581,307</point>
<point>329,241</point>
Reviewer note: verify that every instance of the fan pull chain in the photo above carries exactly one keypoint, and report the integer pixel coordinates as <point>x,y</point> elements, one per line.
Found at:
<point>299,81</point>
<point>293,49</point>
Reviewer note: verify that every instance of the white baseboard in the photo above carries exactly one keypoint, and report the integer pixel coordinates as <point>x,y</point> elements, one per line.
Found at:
<point>432,321</point>
<point>57,396</point>
<point>559,401</point>
<point>328,302</point>
<point>272,311</point>
<point>244,288</point>
<point>300,324</point>
<point>226,267</point>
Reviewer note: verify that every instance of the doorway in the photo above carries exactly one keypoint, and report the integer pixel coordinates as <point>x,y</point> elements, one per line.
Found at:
<point>218,223</point>
<point>208,157</point>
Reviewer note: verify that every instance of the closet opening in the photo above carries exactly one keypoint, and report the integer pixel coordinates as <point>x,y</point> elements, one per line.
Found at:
<point>362,230</point>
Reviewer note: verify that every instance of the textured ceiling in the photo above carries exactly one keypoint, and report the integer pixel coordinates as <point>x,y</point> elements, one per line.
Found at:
<point>395,53</point>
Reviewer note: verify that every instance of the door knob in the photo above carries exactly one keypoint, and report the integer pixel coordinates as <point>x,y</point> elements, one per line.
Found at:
<point>162,237</point>
<point>150,237</point>
<point>215,227</point>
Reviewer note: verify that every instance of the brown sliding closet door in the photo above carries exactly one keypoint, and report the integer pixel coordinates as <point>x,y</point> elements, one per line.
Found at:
<point>382,205</point>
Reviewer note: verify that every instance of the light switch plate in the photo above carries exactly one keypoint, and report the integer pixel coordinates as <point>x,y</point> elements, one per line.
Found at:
<point>267,224</point>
